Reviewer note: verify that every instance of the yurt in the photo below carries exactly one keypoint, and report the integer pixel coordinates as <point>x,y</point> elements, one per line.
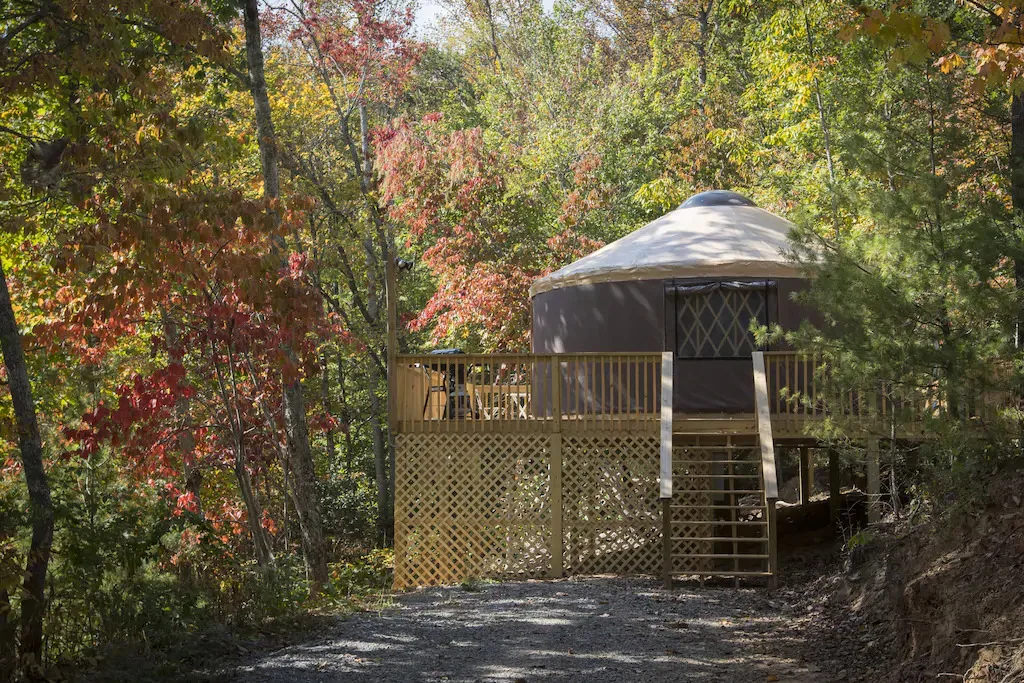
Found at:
<point>689,282</point>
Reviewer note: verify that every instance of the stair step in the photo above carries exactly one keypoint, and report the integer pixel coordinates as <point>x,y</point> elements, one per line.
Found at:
<point>730,539</point>
<point>723,574</point>
<point>719,507</point>
<point>719,448</point>
<point>756,475</point>
<point>720,556</point>
<point>716,462</point>
<point>723,522</point>
<point>735,491</point>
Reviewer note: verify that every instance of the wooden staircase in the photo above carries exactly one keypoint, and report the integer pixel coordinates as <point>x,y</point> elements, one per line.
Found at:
<point>718,513</point>
<point>719,520</point>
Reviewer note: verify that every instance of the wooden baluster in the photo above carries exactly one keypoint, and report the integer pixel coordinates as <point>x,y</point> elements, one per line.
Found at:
<point>812,367</point>
<point>580,380</point>
<point>776,368</point>
<point>587,389</point>
<point>642,369</point>
<point>502,392</point>
<point>618,386</point>
<point>582,407</point>
<point>633,399</point>
<point>604,385</point>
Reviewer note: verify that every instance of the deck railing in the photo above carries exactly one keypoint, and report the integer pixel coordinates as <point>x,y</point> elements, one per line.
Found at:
<point>797,391</point>
<point>519,392</point>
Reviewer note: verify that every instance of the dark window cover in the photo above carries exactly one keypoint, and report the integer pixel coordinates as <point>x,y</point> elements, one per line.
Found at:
<point>713,318</point>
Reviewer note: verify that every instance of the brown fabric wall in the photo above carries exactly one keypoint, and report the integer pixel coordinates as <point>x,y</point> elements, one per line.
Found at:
<point>791,313</point>
<point>609,316</point>
<point>630,316</point>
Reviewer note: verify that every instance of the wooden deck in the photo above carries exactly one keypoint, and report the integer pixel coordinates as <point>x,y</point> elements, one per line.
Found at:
<point>519,465</point>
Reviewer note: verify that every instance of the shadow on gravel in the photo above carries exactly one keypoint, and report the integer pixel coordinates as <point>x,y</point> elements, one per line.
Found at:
<point>598,629</point>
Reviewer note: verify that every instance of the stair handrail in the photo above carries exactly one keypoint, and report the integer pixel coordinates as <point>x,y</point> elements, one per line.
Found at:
<point>764,427</point>
<point>768,468</point>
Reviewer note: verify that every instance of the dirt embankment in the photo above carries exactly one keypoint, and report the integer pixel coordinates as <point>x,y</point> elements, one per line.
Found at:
<point>940,598</point>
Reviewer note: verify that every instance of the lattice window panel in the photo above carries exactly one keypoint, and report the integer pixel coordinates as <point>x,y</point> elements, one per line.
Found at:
<point>611,514</point>
<point>716,324</point>
<point>470,506</point>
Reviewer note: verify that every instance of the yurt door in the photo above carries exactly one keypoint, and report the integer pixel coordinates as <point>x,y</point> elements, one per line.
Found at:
<point>708,328</point>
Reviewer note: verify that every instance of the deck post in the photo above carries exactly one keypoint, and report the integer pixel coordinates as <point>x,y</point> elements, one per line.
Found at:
<point>665,480</point>
<point>806,475</point>
<point>773,544</point>
<point>666,546</point>
<point>874,482</point>
<point>834,486</point>
<point>557,539</point>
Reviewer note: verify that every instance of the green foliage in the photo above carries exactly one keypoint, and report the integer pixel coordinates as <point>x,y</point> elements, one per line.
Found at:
<point>519,142</point>
<point>347,506</point>
<point>363,581</point>
<point>859,540</point>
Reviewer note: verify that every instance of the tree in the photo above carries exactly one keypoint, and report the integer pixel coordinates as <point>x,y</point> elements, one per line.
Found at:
<point>300,456</point>
<point>55,57</point>
<point>360,58</point>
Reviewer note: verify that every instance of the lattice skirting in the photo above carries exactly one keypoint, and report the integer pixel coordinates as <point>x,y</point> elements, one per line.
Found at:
<point>471,506</point>
<point>611,514</point>
<point>480,505</point>
<point>691,487</point>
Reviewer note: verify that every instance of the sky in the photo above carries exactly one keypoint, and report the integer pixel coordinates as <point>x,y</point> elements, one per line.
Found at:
<point>430,12</point>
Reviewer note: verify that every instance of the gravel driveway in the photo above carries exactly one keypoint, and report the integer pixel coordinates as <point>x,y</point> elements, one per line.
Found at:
<point>592,629</point>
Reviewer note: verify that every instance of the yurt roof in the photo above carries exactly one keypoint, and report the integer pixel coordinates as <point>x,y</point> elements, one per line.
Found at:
<point>712,234</point>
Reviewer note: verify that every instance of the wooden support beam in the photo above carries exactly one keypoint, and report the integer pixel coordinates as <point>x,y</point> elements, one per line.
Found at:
<point>557,566</point>
<point>834,486</point>
<point>665,487</point>
<point>666,546</point>
<point>555,468</point>
<point>773,545</point>
<point>811,454</point>
<point>806,481</point>
<point>874,483</point>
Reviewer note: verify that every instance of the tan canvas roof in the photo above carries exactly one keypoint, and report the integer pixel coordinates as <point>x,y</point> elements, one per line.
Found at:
<point>700,241</point>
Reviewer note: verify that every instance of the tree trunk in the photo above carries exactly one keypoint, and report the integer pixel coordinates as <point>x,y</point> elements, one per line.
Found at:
<point>8,637</point>
<point>303,477</point>
<point>325,399</point>
<point>384,447</point>
<point>254,513</point>
<point>703,40</point>
<point>826,130</point>
<point>30,444</point>
<point>1017,197</point>
<point>380,455</point>
<point>193,478</point>
<point>345,413</point>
